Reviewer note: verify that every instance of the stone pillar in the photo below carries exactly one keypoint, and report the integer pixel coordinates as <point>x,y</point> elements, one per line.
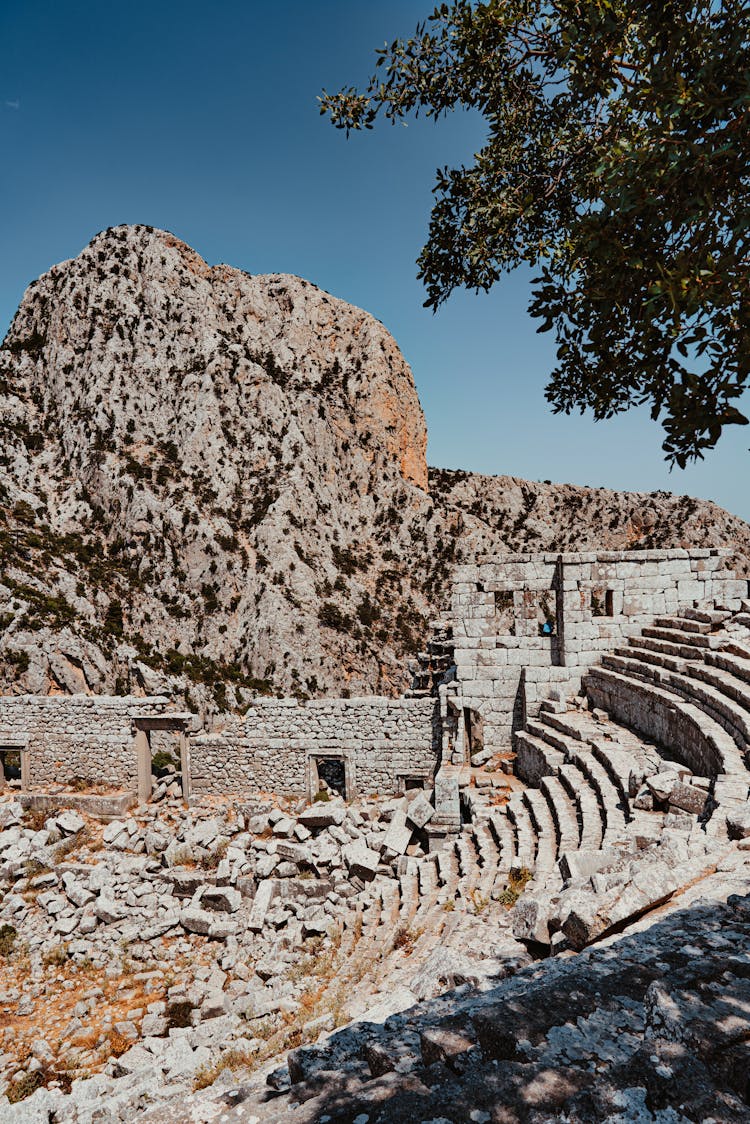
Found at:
<point>185,766</point>
<point>25,770</point>
<point>558,640</point>
<point>143,755</point>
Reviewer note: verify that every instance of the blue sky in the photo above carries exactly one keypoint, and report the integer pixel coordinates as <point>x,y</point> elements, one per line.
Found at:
<point>202,119</point>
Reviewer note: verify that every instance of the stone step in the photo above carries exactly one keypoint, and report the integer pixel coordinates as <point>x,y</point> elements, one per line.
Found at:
<point>391,895</point>
<point>683,728</point>
<point>563,813</point>
<point>589,813</point>
<point>615,811</point>
<point>544,827</point>
<point>409,889</point>
<point>735,665</point>
<point>375,917</point>
<point>503,834</point>
<point>619,764</point>
<point>676,636</point>
<point>428,879</point>
<point>468,864</point>
<point>447,868</point>
<point>667,648</point>
<point>713,617</point>
<point>683,624</point>
<point>535,757</point>
<point>647,655</point>
<point>609,818</point>
<point>518,815</point>
<point>712,690</point>
<point>562,743</point>
<point>489,858</point>
<point>550,724</point>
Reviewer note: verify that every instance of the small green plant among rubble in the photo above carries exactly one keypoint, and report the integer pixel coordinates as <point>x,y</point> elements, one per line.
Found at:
<point>517,880</point>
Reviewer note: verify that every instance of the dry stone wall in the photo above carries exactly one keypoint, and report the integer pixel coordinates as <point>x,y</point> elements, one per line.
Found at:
<point>524,624</point>
<point>380,740</point>
<point>67,736</point>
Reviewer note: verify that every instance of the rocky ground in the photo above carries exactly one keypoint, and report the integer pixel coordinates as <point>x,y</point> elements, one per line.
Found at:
<point>276,962</point>
<point>214,484</point>
<point>196,940</point>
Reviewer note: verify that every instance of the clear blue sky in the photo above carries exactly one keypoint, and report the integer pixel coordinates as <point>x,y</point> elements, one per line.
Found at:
<point>202,118</point>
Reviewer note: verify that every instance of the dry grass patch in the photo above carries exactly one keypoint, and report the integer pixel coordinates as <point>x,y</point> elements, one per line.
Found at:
<point>406,938</point>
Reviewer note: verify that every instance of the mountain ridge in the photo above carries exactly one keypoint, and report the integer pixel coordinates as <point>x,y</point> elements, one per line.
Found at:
<point>215,483</point>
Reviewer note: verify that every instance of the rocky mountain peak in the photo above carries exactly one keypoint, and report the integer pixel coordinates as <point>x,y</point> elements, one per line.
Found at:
<point>216,482</point>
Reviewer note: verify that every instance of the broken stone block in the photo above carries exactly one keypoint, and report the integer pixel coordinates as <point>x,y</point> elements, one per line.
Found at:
<point>398,834</point>
<point>531,920</point>
<point>134,1060</point>
<point>322,814</point>
<point>222,898</point>
<point>109,911</point>
<point>154,1026</point>
<point>293,852</point>
<point>420,811</point>
<point>266,864</point>
<point>688,799</point>
<point>315,924</point>
<point>76,893</point>
<point>398,1053</point>
<point>113,831</point>
<point>261,903</point>
<point>196,920</point>
<point>222,928</point>
<point>213,1006</point>
<point>10,815</point>
<point>738,822</point>
<point>578,866</point>
<point>360,860</point>
<point>70,822</point>
<point>661,784</point>
<point>644,800</point>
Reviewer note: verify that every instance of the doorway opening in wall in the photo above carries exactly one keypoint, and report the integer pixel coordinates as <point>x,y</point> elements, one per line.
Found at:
<point>166,767</point>
<point>331,776</point>
<point>10,767</point>
<point>162,756</point>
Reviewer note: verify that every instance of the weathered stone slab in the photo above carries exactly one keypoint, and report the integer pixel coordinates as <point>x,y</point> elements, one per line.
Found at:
<point>361,861</point>
<point>420,811</point>
<point>398,834</point>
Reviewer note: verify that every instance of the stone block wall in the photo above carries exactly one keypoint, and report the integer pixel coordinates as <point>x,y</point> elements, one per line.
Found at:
<point>269,749</point>
<point>524,624</point>
<point>66,736</point>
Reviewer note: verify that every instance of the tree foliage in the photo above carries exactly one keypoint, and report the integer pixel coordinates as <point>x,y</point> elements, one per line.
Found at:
<point>617,164</point>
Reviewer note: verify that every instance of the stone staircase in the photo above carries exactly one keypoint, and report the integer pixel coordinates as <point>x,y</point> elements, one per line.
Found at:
<point>685,682</point>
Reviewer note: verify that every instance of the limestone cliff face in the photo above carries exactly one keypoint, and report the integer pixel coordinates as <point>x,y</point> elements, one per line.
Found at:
<point>217,482</point>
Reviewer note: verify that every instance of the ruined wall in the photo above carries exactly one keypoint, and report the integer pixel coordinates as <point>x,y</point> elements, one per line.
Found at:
<point>526,623</point>
<point>66,736</point>
<point>268,749</point>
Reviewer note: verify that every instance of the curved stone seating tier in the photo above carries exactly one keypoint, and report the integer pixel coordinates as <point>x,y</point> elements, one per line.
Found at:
<point>694,738</point>
<point>716,692</point>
